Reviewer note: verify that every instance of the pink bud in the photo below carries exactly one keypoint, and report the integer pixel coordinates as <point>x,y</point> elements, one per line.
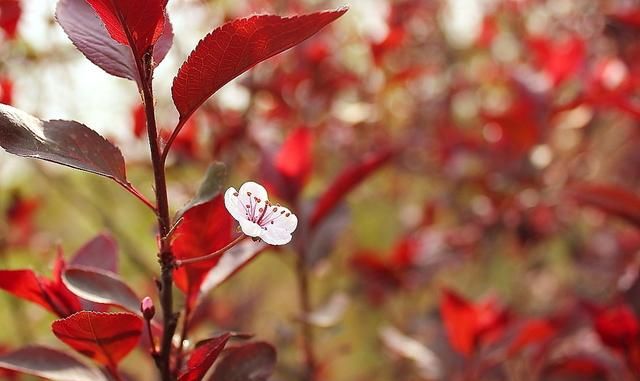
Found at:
<point>147,308</point>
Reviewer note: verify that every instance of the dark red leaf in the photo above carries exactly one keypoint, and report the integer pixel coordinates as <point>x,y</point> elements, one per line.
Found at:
<point>609,198</point>
<point>237,46</point>
<point>50,364</point>
<point>10,13</point>
<point>137,24</point>
<point>63,142</point>
<point>294,161</point>
<point>99,253</point>
<point>249,362</point>
<point>104,337</point>
<point>102,287</point>
<point>204,229</point>
<point>346,181</point>
<point>203,357</point>
<point>81,23</point>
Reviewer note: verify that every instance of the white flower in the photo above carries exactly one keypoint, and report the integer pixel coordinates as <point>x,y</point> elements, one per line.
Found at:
<point>258,217</point>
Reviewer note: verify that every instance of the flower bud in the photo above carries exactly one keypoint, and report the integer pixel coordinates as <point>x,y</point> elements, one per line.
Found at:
<point>147,308</point>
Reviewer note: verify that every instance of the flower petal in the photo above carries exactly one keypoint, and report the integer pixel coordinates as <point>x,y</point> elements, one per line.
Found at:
<point>250,228</point>
<point>275,236</point>
<point>234,205</point>
<point>287,221</point>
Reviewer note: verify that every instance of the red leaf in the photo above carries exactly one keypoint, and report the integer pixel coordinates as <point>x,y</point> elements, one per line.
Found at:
<point>203,357</point>
<point>25,284</point>
<point>137,24</point>
<point>618,327</point>
<point>470,325</point>
<point>348,179</point>
<point>6,90</point>
<point>104,337</point>
<point>10,13</point>
<point>204,229</point>
<point>534,331</point>
<point>249,362</point>
<point>610,199</point>
<point>50,294</point>
<point>237,46</point>
<point>99,253</point>
<point>20,216</point>
<point>81,23</point>
<point>63,142</point>
<point>50,364</point>
<point>102,287</point>
<point>139,121</point>
<point>294,161</point>
<point>559,59</point>
<point>458,316</point>
<point>578,365</point>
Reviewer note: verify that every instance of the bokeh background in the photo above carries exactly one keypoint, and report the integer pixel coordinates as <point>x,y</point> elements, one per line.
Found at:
<point>498,241</point>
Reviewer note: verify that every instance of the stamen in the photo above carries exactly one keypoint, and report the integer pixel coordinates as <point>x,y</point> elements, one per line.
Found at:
<point>236,194</point>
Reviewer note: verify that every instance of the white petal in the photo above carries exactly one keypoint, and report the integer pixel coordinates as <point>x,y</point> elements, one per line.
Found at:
<point>234,205</point>
<point>255,189</point>
<point>275,236</point>
<point>250,228</point>
<point>248,194</point>
<point>287,221</point>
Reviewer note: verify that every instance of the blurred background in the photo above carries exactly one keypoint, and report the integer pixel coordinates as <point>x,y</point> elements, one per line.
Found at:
<point>493,234</point>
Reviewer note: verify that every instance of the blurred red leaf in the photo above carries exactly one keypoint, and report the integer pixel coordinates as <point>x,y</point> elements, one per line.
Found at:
<point>10,13</point>
<point>185,144</point>
<point>64,142</point>
<point>249,362</point>
<point>49,363</point>
<point>377,275</point>
<point>88,33</point>
<point>346,181</point>
<point>578,365</point>
<point>6,90</point>
<point>204,229</point>
<point>104,337</point>
<point>559,59</point>
<point>469,325</point>
<point>139,121</point>
<point>203,357</point>
<point>617,326</point>
<point>533,331</point>
<point>237,46</point>
<point>611,199</point>
<point>294,161</point>
<point>20,216</point>
<point>137,24</point>
<point>394,39</point>
<point>100,253</point>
